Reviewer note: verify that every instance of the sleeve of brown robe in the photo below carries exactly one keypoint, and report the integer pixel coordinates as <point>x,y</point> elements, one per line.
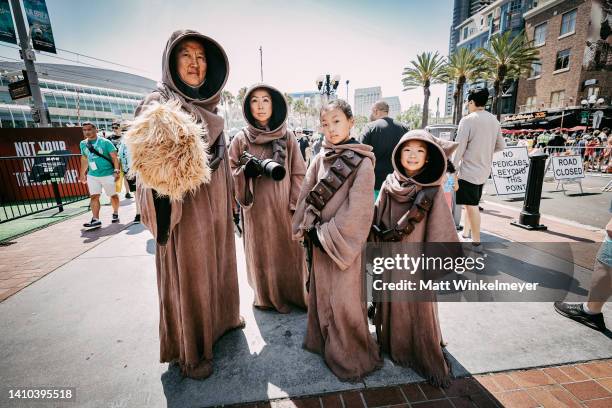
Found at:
<point>297,171</point>
<point>300,210</point>
<point>379,205</point>
<point>440,222</point>
<point>343,235</point>
<point>243,186</point>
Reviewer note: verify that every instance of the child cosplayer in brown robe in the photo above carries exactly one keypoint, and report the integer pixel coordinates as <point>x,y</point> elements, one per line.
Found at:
<point>410,331</point>
<point>334,213</point>
<point>276,267</point>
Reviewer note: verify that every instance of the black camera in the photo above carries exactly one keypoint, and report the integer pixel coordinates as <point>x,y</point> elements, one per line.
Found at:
<point>255,167</point>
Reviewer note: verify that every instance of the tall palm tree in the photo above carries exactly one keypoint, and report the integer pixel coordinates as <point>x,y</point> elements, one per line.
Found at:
<point>241,95</point>
<point>463,67</point>
<point>427,70</point>
<point>507,58</point>
<point>227,100</point>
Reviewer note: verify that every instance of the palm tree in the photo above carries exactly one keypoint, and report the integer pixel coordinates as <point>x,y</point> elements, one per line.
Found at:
<point>227,100</point>
<point>241,95</point>
<point>463,67</point>
<point>507,58</point>
<point>300,108</point>
<point>427,70</point>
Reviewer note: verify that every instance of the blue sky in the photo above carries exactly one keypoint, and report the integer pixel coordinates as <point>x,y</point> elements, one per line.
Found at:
<point>366,42</point>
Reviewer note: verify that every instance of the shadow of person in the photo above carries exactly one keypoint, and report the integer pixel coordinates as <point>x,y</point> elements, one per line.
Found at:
<point>92,235</point>
<point>135,229</point>
<point>234,379</point>
<point>151,246</point>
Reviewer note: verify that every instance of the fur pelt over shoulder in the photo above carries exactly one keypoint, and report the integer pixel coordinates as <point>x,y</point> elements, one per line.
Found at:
<point>168,150</point>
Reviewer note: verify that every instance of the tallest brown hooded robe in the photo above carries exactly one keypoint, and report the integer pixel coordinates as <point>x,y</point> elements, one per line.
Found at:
<point>195,252</point>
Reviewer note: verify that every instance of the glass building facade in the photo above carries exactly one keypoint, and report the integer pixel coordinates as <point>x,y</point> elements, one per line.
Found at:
<point>72,102</point>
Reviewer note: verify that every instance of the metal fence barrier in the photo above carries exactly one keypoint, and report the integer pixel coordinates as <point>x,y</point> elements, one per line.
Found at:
<point>32,184</point>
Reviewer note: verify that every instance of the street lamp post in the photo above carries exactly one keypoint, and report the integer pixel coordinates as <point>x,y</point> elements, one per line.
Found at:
<point>347,83</point>
<point>328,86</point>
<point>563,113</point>
<point>28,56</point>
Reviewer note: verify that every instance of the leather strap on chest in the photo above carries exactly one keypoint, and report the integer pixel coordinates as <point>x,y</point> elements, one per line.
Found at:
<point>342,168</point>
<point>406,224</point>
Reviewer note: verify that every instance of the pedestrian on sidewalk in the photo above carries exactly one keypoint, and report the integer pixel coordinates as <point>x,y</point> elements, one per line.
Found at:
<point>590,313</point>
<point>479,136</point>
<point>185,190</point>
<point>302,139</point>
<point>117,139</point>
<point>409,331</point>
<point>382,134</point>
<point>276,267</point>
<point>334,215</point>
<point>100,171</point>
<point>125,160</point>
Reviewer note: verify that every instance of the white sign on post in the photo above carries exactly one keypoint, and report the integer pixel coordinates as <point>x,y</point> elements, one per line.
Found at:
<point>509,171</point>
<point>567,167</point>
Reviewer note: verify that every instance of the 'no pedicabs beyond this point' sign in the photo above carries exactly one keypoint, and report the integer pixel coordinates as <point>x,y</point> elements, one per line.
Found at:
<point>509,170</point>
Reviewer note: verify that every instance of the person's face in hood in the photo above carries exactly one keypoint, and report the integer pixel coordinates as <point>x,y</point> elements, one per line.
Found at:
<point>413,156</point>
<point>336,126</point>
<point>191,63</point>
<point>261,106</point>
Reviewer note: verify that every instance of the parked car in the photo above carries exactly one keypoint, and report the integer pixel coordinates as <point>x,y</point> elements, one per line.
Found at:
<point>445,132</point>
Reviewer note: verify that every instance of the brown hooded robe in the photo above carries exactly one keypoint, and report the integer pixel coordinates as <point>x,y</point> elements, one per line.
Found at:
<point>276,265</point>
<point>195,253</point>
<point>410,331</point>
<point>337,327</point>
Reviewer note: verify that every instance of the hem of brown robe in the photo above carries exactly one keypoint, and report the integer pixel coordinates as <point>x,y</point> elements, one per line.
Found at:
<point>438,381</point>
<point>176,360</point>
<point>191,370</point>
<point>288,305</point>
<point>342,379</point>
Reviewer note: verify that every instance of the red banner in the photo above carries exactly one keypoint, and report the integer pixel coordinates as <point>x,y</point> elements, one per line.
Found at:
<point>23,177</point>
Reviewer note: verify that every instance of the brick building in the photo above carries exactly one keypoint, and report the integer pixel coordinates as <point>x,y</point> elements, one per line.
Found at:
<point>575,61</point>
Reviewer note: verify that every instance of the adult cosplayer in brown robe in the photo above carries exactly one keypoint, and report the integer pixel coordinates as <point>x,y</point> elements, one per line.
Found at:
<point>410,331</point>
<point>337,326</point>
<point>186,202</point>
<point>276,265</point>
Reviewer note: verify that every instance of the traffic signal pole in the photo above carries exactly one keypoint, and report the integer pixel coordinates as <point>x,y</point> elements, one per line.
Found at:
<point>28,56</point>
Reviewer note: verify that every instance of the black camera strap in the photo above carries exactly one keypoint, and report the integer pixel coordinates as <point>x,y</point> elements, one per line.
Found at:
<point>97,153</point>
<point>406,224</point>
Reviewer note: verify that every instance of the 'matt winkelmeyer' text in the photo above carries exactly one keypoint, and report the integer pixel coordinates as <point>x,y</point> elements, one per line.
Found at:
<point>463,285</point>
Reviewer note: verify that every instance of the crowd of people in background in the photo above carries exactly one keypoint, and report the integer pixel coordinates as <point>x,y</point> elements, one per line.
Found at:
<point>594,145</point>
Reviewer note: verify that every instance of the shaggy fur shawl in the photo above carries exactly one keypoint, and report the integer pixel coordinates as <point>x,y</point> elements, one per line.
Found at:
<point>168,150</point>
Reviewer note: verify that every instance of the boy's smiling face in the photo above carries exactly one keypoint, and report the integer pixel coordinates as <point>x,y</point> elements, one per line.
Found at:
<point>413,156</point>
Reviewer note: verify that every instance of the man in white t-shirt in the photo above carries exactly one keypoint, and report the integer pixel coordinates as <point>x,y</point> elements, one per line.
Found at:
<point>479,136</point>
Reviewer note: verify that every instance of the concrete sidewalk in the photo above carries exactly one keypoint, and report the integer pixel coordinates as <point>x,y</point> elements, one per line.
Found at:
<point>92,324</point>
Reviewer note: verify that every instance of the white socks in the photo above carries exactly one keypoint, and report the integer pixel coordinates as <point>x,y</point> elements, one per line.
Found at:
<point>587,310</point>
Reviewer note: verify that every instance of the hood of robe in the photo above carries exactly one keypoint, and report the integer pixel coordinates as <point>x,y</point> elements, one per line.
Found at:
<point>202,101</point>
<point>277,126</point>
<point>433,171</point>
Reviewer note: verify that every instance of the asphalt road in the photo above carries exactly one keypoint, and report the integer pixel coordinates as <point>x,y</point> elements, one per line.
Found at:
<point>590,208</point>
